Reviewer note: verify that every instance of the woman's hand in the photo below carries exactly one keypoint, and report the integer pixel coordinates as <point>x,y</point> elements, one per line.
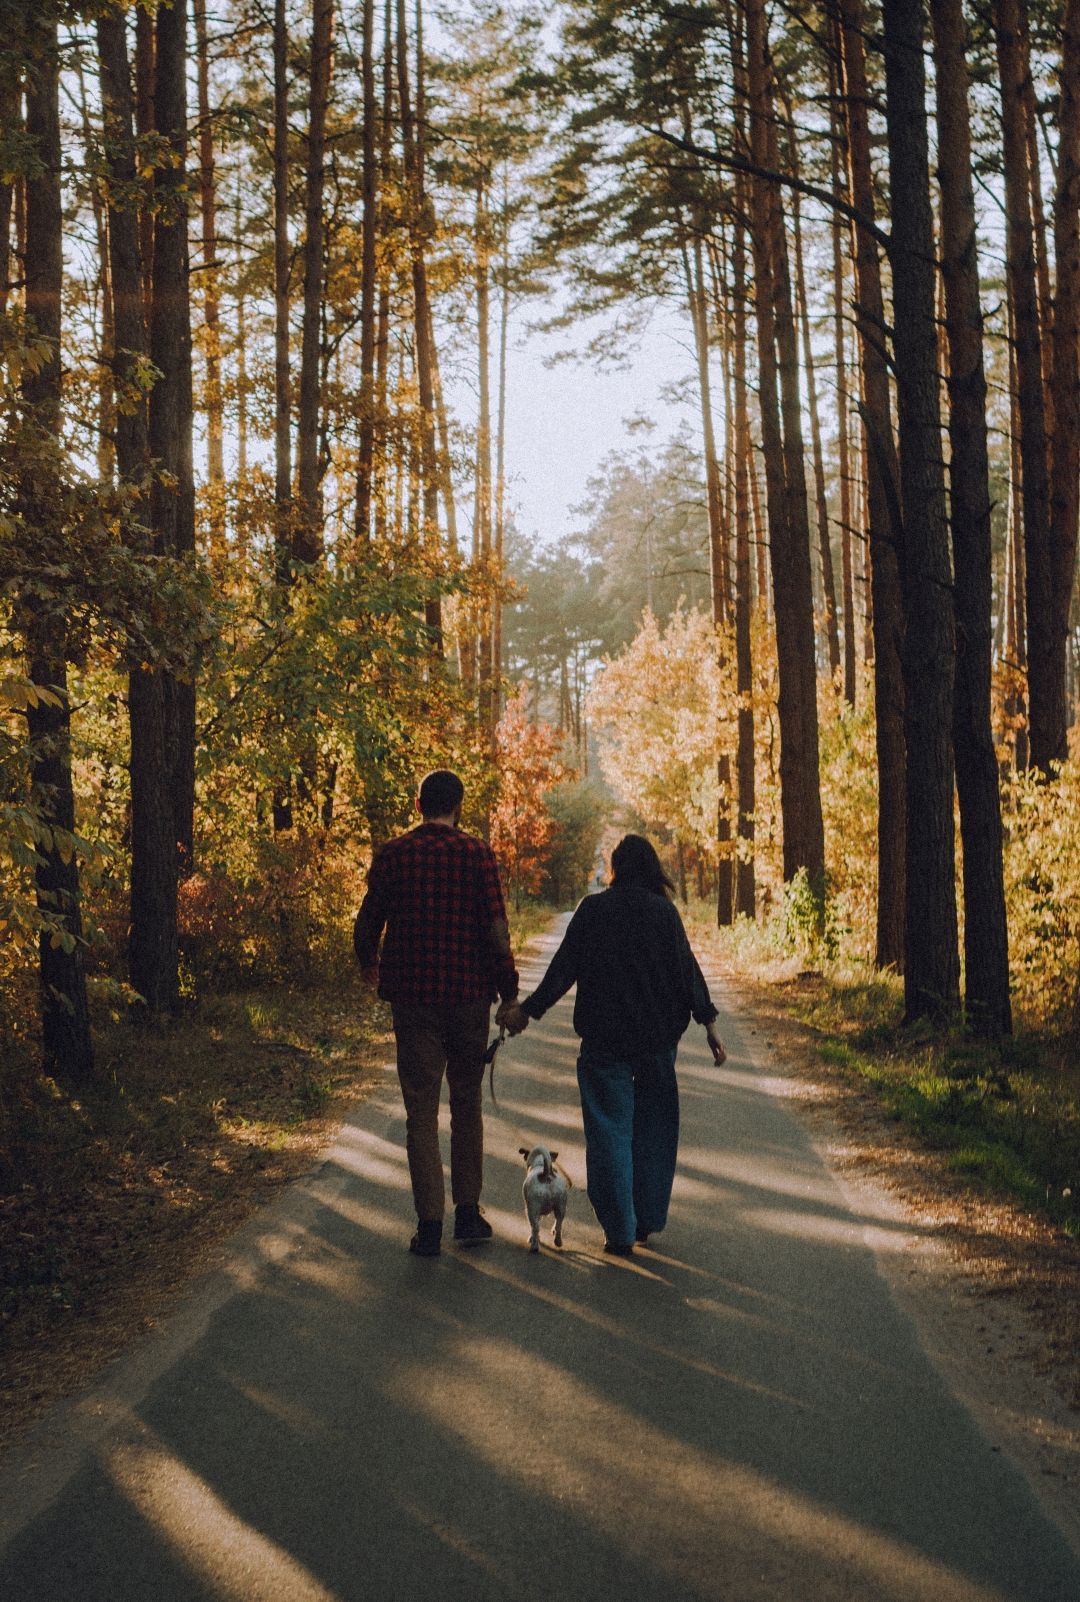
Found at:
<point>716,1045</point>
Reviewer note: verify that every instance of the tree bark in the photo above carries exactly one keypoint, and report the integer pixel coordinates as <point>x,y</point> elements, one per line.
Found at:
<point>745,888</point>
<point>307,545</point>
<point>172,501</point>
<point>719,581</point>
<point>986,945</point>
<point>282,385</point>
<point>1044,694</point>
<point>841,232</point>
<point>1065,387</point>
<point>413,140</point>
<point>152,941</point>
<point>482,501</point>
<point>368,270</point>
<point>211,295</point>
<point>65,1020</point>
<point>882,503</point>
<point>789,533</point>
<point>932,970</point>
<point>828,580</point>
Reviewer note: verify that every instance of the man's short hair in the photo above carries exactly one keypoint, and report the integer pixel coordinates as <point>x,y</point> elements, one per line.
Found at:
<point>441,793</point>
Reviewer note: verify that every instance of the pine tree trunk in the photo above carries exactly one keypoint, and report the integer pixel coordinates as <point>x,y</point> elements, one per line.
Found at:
<point>10,117</point>
<point>500,471</point>
<point>145,48</point>
<point>215,406</point>
<point>1044,695</point>
<point>368,273</point>
<point>932,970</point>
<point>65,1020</point>
<point>699,318</point>
<point>789,532</point>
<point>828,580</point>
<point>307,545</point>
<point>841,232</point>
<point>282,386</point>
<point>745,888</point>
<point>412,134</point>
<point>152,941</point>
<point>882,599</point>
<point>172,501</point>
<point>482,503</point>
<point>1065,385</point>
<point>986,945</point>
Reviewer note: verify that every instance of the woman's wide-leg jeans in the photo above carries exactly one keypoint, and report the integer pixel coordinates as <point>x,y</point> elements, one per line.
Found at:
<point>630,1107</point>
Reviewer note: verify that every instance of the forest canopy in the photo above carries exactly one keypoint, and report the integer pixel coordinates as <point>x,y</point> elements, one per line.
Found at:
<point>262,274</point>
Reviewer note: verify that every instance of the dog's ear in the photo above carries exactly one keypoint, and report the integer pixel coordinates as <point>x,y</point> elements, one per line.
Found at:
<point>554,1156</point>
<point>524,1150</point>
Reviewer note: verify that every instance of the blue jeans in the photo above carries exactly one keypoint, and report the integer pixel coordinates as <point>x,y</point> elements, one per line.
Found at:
<point>630,1105</point>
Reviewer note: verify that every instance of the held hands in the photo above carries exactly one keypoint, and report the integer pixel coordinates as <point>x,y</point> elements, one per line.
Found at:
<point>716,1045</point>
<point>512,1017</point>
<point>370,975</point>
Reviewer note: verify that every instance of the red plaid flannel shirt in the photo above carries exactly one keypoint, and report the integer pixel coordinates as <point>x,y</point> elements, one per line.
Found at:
<point>436,891</point>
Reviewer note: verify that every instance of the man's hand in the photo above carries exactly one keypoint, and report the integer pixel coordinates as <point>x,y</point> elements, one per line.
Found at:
<point>716,1045</point>
<point>370,975</point>
<point>512,1017</point>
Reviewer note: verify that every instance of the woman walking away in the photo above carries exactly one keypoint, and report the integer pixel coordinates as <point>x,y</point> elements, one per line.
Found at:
<point>638,985</point>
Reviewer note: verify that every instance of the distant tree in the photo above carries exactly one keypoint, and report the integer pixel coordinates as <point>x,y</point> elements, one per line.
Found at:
<point>522,827</point>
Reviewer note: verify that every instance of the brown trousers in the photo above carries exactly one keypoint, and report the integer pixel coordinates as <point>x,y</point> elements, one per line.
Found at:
<point>432,1039</point>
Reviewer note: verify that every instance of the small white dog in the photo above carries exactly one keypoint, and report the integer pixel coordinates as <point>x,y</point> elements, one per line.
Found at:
<point>545,1191</point>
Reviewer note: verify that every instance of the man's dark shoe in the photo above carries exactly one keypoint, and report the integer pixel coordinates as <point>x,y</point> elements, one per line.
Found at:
<point>427,1242</point>
<point>619,1248</point>
<point>642,1237</point>
<point>470,1225</point>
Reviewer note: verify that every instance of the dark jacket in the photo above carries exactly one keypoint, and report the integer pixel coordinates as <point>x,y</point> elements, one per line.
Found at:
<point>638,982</point>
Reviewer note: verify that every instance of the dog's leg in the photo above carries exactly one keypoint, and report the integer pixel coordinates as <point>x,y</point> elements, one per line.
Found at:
<point>557,1230</point>
<point>534,1224</point>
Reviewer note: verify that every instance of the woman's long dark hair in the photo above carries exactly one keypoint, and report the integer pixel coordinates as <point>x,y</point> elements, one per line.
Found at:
<point>634,861</point>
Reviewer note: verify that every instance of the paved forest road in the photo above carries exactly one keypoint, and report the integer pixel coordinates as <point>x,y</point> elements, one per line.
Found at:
<point>742,1414</point>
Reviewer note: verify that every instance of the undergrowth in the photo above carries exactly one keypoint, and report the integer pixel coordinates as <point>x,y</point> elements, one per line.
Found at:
<point>1007,1117</point>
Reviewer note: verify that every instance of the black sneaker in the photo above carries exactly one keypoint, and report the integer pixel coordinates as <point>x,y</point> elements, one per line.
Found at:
<point>641,1236</point>
<point>470,1226</point>
<point>427,1242</point>
<point>619,1249</point>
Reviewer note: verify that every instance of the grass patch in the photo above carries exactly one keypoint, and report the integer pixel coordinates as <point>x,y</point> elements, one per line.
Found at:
<point>1007,1118</point>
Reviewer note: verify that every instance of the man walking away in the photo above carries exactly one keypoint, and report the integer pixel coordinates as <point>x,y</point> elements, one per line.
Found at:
<point>445,959</point>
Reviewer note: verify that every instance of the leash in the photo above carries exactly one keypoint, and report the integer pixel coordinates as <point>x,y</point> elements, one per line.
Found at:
<point>488,1060</point>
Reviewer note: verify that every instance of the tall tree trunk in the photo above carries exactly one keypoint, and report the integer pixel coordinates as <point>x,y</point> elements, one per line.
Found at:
<point>500,469</point>
<point>65,1021</point>
<point>152,941</point>
<point>828,580</point>
<point>10,117</point>
<point>380,468</point>
<point>1044,695</point>
<point>241,358</point>
<point>172,501</point>
<point>308,535</point>
<point>789,533</point>
<point>882,504</point>
<point>282,386</point>
<point>482,501</point>
<point>932,970</point>
<point>719,580</point>
<point>368,272</point>
<point>841,233</point>
<point>745,888</point>
<point>1065,386</point>
<point>986,945</point>
<point>145,47</point>
<point>413,139</point>
<point>211,294</point>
